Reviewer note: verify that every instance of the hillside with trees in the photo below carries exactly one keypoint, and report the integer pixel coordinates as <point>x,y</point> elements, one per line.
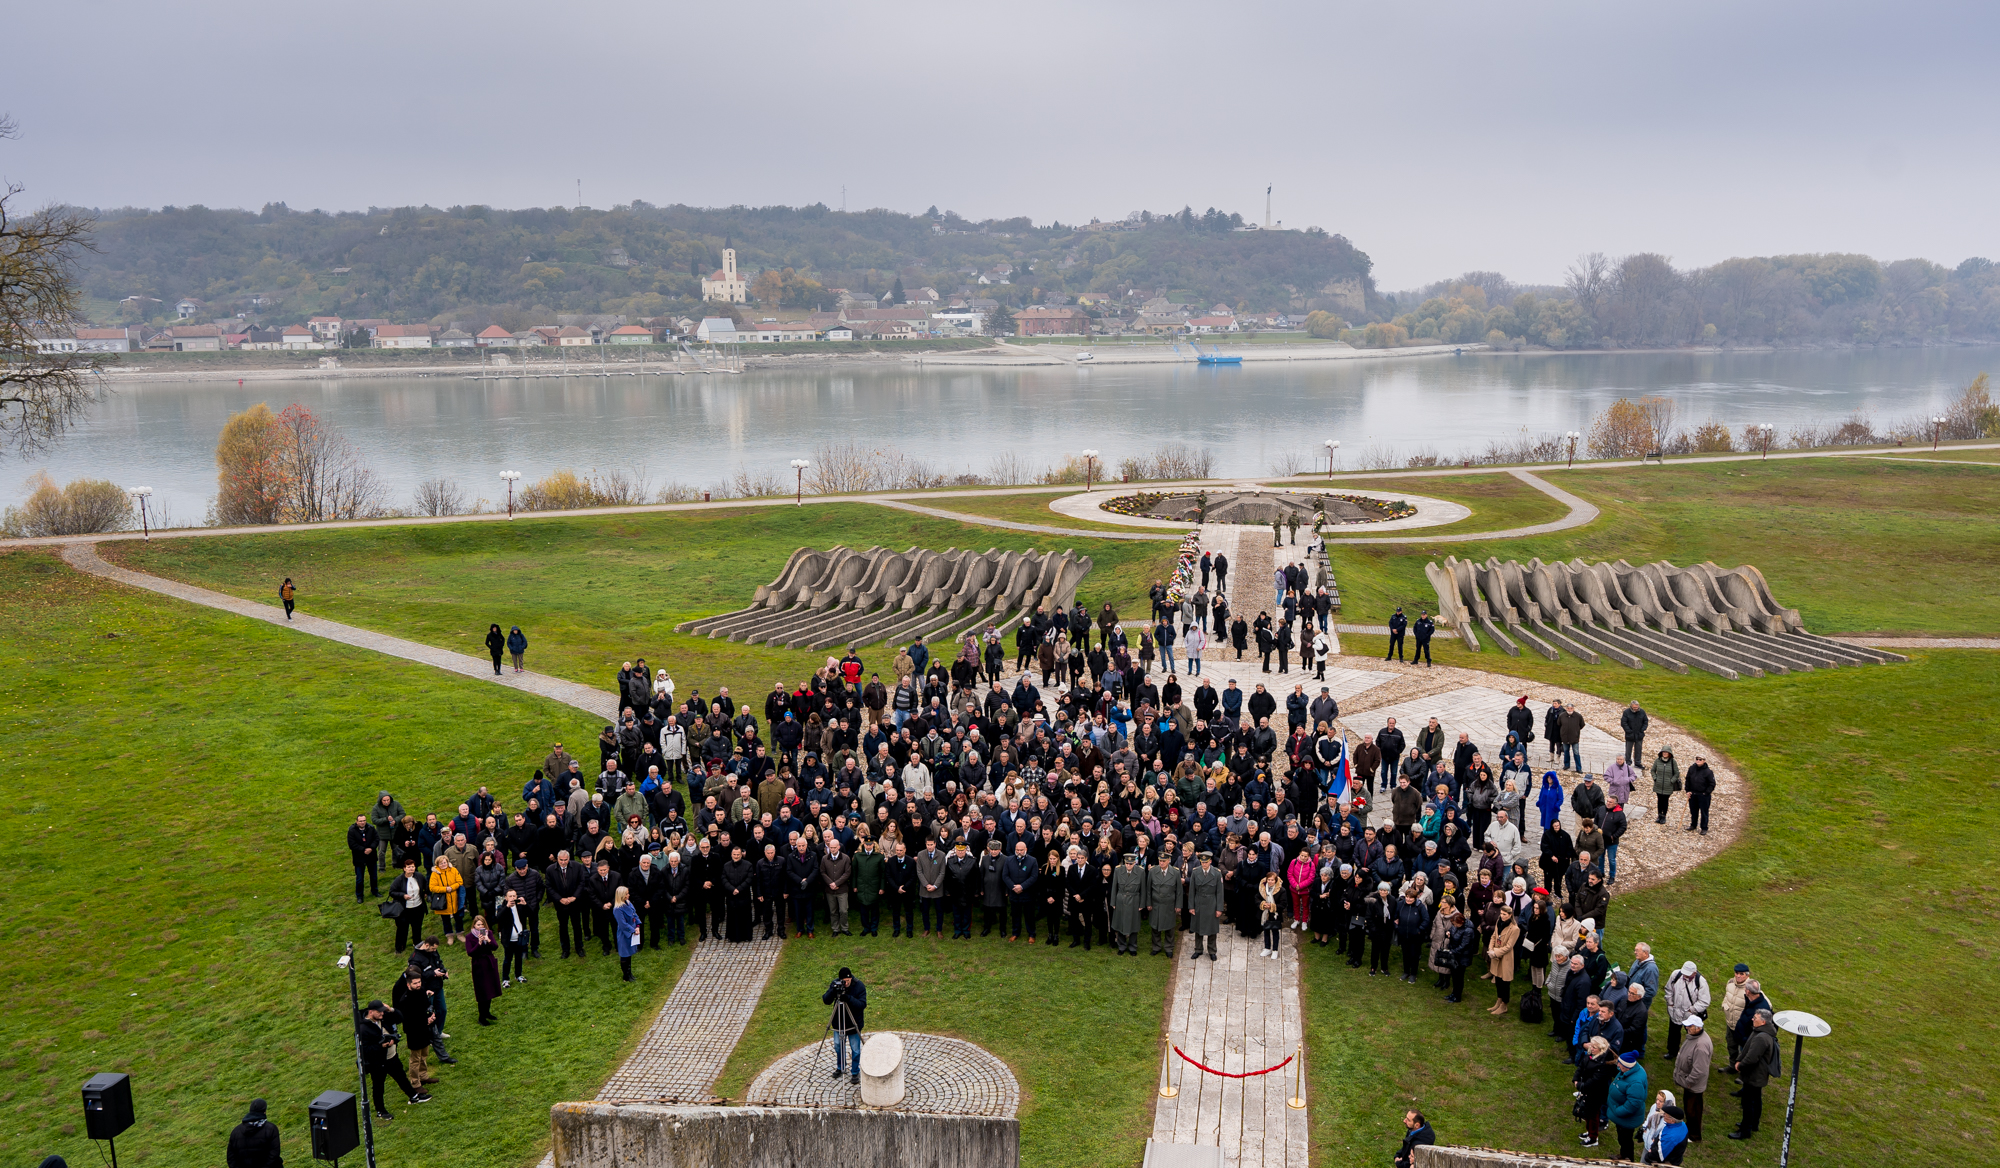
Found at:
<point>1643,301</point>
<point>415,264</point>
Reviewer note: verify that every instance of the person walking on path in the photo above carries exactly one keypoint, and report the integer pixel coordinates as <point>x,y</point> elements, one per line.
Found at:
<point>517,644</point>
<point>1398,623</point>
<point>496,644</point>
<point>287,593</point>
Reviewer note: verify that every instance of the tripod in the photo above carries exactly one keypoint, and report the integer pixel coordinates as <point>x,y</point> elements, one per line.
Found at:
<point>836,1031</point>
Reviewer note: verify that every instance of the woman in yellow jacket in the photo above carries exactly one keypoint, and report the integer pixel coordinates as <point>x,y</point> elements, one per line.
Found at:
<point>446,881</point>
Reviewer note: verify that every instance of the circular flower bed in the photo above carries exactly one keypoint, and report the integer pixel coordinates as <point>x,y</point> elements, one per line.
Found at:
<point>1159,505</point>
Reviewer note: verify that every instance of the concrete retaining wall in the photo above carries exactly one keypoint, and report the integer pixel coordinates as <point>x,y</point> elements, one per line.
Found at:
<point>608,1135</point>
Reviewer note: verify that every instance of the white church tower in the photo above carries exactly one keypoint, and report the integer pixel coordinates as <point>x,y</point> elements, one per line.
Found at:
<point>724,284</point>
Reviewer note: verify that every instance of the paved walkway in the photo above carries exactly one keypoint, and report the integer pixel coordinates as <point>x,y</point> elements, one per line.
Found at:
<point>690,1040</point>
<point>1011,525</point>
<point>84,558</point>
<point>941,1076</point>
<point>1238,1013</point>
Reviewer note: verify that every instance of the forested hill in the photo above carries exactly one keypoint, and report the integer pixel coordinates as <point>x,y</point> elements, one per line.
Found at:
<point>413,264</point>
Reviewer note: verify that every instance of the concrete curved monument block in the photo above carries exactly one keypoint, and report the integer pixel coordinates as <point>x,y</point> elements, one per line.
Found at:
<point>1720,621</point>
<point>837,597</point>
<point>882,1070</point>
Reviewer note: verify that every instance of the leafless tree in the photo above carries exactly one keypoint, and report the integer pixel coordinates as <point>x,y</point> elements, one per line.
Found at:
<point>440,497</point>
<point>41,394</point>
<point>1588,279</point>
<point>841,468</point>
<point>1009,467</point>
<point>324,477</point>
<point>1291,462</point>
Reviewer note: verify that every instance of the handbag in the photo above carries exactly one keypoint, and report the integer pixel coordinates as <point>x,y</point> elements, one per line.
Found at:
<point>390,909</point>
<point>437,901</point>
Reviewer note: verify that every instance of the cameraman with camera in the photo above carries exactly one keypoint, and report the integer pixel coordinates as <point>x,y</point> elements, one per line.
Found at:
<point>849,999</point>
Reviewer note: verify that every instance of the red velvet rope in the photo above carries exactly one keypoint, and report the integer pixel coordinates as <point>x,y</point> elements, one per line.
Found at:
<point>1245,1075</point>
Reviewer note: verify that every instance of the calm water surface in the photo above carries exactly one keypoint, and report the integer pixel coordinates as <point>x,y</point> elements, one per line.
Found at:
<point>699,431</point>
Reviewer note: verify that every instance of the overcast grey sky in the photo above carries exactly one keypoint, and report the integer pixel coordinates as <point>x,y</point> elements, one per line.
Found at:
<point>1439,138</point>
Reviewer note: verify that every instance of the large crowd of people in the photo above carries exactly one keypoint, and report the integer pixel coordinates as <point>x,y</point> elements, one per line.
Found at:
<point>1095,800</point>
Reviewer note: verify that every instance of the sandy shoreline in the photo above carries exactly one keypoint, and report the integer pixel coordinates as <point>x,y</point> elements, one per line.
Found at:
<point>1000,356</point>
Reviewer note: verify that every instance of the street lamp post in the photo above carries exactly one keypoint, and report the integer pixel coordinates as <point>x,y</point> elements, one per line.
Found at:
<point>1937,431</point>
<point>1572,436</point>
<point>346,962</point>
<point>510,476</point>
<point>142,494</point>
<point>800,465</point>
<point>1802,1026</point>
<point>1089,468</point>
<point>1331,446</point>
<point>1766,429</point>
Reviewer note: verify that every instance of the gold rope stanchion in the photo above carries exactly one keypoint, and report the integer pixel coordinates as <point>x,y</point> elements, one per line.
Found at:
<point>1167,1088</point>
<point>1298,1100</point>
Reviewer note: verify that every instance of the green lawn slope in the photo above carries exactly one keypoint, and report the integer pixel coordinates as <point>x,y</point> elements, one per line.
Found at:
<point>178,888</point>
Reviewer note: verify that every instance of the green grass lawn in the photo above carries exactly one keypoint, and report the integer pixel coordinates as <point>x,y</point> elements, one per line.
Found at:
<point>1081,1032</point>
<point>224,758</point>
<point>1854,544</point>
<point>1862,891</point>
<point>1988,457</point>
<point>593,592</point>
<point>1498,501</point>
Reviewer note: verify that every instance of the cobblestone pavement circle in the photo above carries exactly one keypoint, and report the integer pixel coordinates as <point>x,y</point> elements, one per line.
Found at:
<point>943,1076</point>
<point>683,1051</point>
<point>1237,1013</point>
<point>84,558</point>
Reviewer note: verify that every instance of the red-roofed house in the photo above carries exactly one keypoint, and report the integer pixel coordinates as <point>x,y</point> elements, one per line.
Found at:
<point>326,328</point>
<point>298,336</point>
<point>629,334</point>
<point>495,337</point>
<point>1212,324</point>
<point>571,336</point>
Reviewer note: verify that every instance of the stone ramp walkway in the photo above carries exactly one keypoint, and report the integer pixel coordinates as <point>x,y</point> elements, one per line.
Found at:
<point>84,558</point>
<point>1238,1013</point>
<point>692,1037</point>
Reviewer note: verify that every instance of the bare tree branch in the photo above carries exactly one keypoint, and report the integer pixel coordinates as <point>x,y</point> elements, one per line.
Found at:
<point>42,393</point>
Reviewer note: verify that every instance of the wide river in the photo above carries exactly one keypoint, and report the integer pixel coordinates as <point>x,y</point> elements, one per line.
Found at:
<point>699,431</point>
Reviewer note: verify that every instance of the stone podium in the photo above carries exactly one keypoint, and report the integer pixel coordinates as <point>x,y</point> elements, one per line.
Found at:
<point>882,1070</point>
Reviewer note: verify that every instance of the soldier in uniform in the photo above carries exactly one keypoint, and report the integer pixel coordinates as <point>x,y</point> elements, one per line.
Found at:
<point>1204,894</point>
<point>1128,900</point>
<point>1163,900</point>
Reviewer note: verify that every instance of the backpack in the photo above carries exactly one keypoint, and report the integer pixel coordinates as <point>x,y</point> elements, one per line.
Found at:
<point>1531,1007</point>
